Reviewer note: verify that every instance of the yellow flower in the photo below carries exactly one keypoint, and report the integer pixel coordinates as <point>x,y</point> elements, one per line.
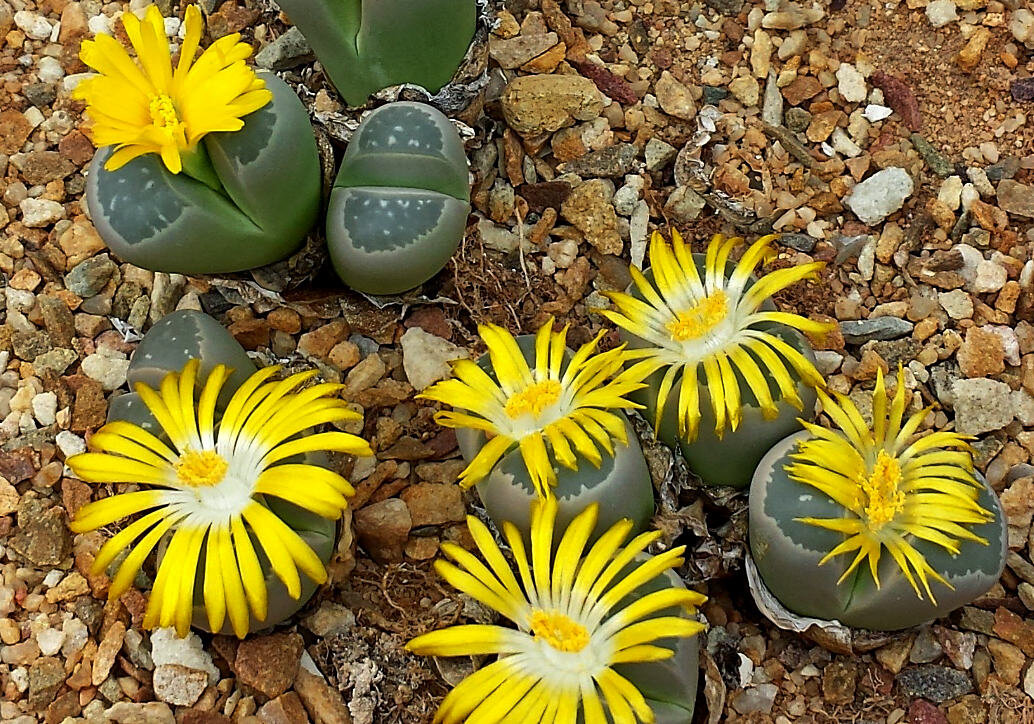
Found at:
<point>149,107</point>
<point>715,323</point>
<point>207,491</point>
<point>893,489</point>
<point>571,630</point>
<point>568,407</point>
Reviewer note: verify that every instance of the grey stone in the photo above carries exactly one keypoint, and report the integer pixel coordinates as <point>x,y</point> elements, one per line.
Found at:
<point>289,50</point>
<point>772,105</point>
<point>937,163</point>
<point>42,537</point>
<point>40,95</point>
<point>607,163</point>
<point>726,7</point>
<point>1016,198</point>
<point>881,328</point>
<point>29,345</point>
<point>755,699</point>
<point>936,683</point>
<point>88,278</point>
<point>797,119</point>
<point>58,360</point>
<point>46,675</point>
<point>658,154</point>
<point>800,242</point>
<point>684,205</point>
<point>1006,168</point>
<point>713,95</point>
<point>926,648</point>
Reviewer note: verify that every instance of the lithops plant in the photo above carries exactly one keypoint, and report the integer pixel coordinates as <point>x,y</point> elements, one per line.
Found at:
<point>531,415</point>
<point>732,372</point>
<point>219,491</point>
<point>193,160</point>
<point>366,46</point>
<point>575,634</point>
<point>874,526</point>
<point>399,205</point>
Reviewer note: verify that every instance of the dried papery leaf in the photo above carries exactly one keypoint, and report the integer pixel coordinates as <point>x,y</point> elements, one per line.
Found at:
<point>830,634</point>
<point>715,689</point>
<point>710,520</point>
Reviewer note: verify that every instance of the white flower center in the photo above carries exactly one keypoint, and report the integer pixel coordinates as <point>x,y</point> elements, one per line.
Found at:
<point>213,487</point>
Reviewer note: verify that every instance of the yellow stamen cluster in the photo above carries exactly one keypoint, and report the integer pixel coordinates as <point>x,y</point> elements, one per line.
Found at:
<point>533,400</point>
<point>884,499</point>
<point>559,631</point>
<point>199,469</point>
<point>163,112</point>
<point>701,318</point>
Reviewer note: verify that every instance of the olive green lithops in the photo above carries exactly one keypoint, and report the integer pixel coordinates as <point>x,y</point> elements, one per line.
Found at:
<point>873,525</point>
<point>366,46</point>
<point>732,373</point>
<point>534,420</point>
<point>202,167</point>
<point>399,205</point>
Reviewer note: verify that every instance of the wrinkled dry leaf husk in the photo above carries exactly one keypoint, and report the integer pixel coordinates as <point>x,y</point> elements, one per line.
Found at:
<point>831,635</point>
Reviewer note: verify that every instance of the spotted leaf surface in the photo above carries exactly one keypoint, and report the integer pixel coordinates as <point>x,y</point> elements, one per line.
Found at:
<point>400,201</point>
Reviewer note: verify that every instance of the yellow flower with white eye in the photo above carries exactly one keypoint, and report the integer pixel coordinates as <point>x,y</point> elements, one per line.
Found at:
<point>207,491</point>
<point>893,488</point>
<point>716,324</point>
<point>569,407</point>
<point>148,106</point>
<point>572,625</point>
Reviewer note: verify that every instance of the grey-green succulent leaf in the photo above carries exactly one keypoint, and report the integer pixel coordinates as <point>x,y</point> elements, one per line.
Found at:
<point>621,485</point>
<point>175,223</point>
<point>365,47</point>
<point>399,205</point>
<point>669,685</point>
